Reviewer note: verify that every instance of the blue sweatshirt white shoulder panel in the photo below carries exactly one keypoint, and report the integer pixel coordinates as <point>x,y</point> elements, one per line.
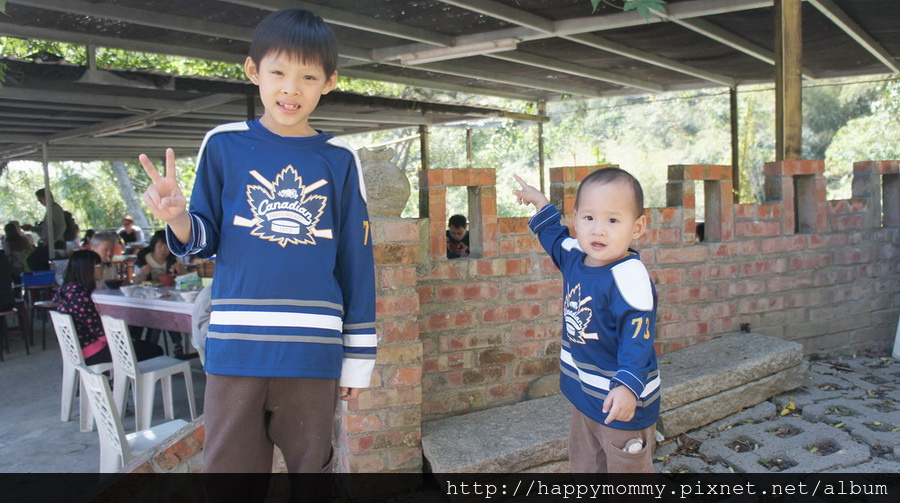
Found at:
<point>294,289</point>
<point>609,318</point>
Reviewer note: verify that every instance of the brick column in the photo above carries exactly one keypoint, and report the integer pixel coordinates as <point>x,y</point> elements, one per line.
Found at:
<point>718,199</point>
<point>800,187</point>
<point>564,183</point>
<point>865,186</point>
<point>381,432</point>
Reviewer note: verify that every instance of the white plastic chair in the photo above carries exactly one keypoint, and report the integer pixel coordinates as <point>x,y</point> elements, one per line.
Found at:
<point>116,448</point>
<point>71,358</point>
<point>142,376</point>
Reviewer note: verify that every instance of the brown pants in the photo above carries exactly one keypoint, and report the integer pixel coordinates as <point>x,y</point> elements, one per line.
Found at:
<point>596,448</point>
<point>246,416</point>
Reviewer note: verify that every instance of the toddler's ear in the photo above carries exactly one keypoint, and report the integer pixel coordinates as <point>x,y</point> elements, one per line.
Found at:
<point>640,225</point>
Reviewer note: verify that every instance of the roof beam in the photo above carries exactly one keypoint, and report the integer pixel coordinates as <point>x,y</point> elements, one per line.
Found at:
<point>434,84</point>
<point>472,73</point>
<point>34,32</point>
<point>650,58</point>
<point>574,69</point>
<point>142,17</point>
<point>844,22</point>
<point>509,14</point>
<point>353,20</point>
<point>594,23</point>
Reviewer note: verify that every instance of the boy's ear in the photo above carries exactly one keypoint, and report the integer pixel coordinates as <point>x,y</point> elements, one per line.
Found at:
<point>330,84</point>
<point>251,70</point>
<point>639,226</point>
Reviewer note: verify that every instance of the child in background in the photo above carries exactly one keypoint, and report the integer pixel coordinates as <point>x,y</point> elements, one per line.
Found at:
<point>74,298</point>
<point>457,237</point>
<point>608,363</point>
<point>282,206</point>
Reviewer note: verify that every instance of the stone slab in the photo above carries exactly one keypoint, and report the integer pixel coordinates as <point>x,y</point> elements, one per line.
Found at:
<point>508,439</point>
<point>707,410</point>
<point>721,364</point>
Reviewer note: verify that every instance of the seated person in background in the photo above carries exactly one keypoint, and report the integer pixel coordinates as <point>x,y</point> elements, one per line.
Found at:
<point>74,298</point>
<point>156,259</point>
<point>457,237</point>
<point>86,242</point>
<point>17,247</point>
<point>7,295</point>
<point>104,245</point>
<point>130,233</point>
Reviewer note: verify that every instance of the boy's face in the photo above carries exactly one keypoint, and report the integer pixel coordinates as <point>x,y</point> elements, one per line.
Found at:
<point>457,233</point>
<point>290,90</point>
<point>606,223</point>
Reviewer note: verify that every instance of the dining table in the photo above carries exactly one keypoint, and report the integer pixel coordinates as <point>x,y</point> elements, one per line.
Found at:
<point>169,312</point>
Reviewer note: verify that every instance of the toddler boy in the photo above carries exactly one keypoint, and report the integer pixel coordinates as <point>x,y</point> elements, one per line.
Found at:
<point>607,360</point>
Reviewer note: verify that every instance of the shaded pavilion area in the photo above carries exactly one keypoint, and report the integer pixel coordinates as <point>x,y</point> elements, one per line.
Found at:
<point>461,336</point>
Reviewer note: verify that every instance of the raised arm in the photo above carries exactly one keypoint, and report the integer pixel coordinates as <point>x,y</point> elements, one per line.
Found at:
<point>530,195</point>
<point>165,199</point>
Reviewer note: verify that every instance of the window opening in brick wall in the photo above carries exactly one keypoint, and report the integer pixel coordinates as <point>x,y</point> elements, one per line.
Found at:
<point>890,200</point>
<point>700,211</point>
<point>464,201</point>
<point>804,204</point>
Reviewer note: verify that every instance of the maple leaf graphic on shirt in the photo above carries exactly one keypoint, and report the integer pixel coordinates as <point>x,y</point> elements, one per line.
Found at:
<point>283,210</point>
<point>577,316</point>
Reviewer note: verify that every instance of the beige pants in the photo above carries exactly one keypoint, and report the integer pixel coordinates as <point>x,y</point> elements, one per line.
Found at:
<point>596,448</point>
<point>246,416</point>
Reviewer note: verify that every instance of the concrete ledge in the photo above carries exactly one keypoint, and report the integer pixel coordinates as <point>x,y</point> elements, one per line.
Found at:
<point>721,364</point>
<point>509,439</point>
<point>701,384</point>
<point>712,408</point>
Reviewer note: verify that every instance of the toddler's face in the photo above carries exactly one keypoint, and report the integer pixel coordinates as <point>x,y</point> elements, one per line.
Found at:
<point>605,222</point>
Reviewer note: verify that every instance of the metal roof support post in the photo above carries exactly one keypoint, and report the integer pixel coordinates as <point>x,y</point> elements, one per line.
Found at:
<point>542,110</point>
<point>788,89</point>
<point>423,190</point>
<point>48,200</point>
<point>470,154</point>
<point>735,145</point>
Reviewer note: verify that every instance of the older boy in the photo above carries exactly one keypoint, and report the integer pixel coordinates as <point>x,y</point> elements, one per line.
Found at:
<point>608,363</point>
<point>293,302</point>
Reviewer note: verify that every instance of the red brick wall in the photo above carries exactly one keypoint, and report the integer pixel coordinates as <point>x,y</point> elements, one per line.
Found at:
<point>468,334</point>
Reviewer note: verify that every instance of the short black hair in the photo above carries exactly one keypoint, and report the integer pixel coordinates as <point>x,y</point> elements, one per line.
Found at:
<point>298,33</point>
<point>80,269</point>
<point>40,193</point>
<point>614,175</point>
<point>458,221</point>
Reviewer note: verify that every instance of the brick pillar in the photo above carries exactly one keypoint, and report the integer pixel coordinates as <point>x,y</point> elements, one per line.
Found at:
<point>866,186</point>
<point>718,199</point>
<point>382,431</point>
<point>800,188</point>
<point>564,183</point>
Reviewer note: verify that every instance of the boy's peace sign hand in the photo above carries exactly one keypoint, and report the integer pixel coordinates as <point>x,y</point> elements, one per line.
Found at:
<point>164,197</point>
<point>530,195</point>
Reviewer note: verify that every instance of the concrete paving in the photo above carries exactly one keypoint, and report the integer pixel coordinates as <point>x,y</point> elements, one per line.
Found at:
<point>845,418</point>
<point>33,439</point>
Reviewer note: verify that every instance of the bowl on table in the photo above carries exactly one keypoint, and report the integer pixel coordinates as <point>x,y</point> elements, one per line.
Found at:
<point>189,295</point>
<point>113,283</point>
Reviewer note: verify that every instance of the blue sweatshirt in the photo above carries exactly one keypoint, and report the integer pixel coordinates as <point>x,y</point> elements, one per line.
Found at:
<point>609,320</point>
<point>294,289</point>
